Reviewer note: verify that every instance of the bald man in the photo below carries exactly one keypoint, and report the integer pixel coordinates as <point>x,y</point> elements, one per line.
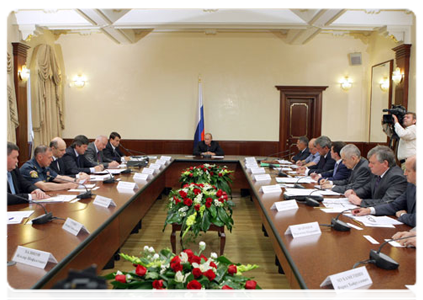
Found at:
<point>58,148</point>
<point>95,155</point>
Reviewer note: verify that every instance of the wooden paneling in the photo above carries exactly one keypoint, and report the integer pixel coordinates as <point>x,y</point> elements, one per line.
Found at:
<point>402,58</point>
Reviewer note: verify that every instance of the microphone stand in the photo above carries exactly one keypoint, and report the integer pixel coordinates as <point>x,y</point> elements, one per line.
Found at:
<point>382,260</point>
<point>270,155</point>
<point>42,219</point>
<point>111,179</point>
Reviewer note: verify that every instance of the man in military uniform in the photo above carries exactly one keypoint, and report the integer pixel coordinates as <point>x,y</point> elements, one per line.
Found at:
<point>37,172</point>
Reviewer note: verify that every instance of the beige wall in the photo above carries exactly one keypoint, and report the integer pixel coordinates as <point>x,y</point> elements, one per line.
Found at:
<point>149,90</point>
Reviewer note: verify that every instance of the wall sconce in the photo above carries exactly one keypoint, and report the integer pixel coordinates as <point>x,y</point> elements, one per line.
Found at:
<point>384,84</point>
<point>346,83</point>
<point>79,81</point>
<point>397,75</point>
<point>23,74</point>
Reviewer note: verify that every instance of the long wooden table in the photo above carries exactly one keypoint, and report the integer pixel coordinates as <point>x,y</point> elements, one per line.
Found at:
<point>305,261</point>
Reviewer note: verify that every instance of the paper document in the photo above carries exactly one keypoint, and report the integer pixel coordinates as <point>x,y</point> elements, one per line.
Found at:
<point>294,180</point>
<point>16,217</point>
<point>337,205</point>
<point>99,177</point>
<point>83,189</point>
<point>306,192</point>
<point>58,198</point>
<point>218,156</point>
<point>110,171</point>
<point>284,162</point>
<point>375,221</point>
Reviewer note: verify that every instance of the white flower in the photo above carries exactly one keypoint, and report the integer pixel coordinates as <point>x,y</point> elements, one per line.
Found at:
<point>119,273</point>
<point>155,256</point>
<point>184,257</point>
<point>128,277</point>
<point>182,209</point>
<point>146,248</point>
<point>213,255</point>
<point>163,268</point>
<point>202,245</point>
<point>217,203</point>
<point>151,250</point>
<point>198,198</point>
<point>181,278</point>
<point>184,214</point>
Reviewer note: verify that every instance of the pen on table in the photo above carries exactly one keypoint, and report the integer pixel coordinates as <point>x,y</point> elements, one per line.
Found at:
<point>11,218</point>
<point>358,222</point>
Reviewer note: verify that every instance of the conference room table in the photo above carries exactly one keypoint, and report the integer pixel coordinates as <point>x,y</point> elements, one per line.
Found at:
<point>306,261</point>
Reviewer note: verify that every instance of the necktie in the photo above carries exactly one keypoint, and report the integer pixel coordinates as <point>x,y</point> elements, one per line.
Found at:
<point>98,157</point>
<point>377,182</point>
<point>10,181</point>
<point>78,161</point>
<point>57,163</point>
<point>335,169</point>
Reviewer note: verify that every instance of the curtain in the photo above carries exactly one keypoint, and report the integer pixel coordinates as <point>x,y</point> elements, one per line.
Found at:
<point>47,102</point>
<point>12,107</point>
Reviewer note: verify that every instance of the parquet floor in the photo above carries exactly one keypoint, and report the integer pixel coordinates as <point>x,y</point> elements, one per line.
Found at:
<point>246,244</point>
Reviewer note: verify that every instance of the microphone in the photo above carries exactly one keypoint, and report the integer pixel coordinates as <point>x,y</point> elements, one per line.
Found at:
<point>130,150</point>
<point>46,217</point>
<point>299,186</point>
<point>111,179</point>
<point>86,195</point>
<point>310,200</point>
<point>270,155</point>
<point>339,225</point>
<point>382,260</point>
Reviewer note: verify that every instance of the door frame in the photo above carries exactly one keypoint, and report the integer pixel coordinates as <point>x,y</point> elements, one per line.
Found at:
<point>310,92</point>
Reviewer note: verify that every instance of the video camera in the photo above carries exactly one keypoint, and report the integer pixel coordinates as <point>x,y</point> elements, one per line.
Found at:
<point>398,110</point>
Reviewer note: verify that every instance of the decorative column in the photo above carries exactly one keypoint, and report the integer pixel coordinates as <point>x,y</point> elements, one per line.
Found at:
<point>402,59</point>
<point>21,88</point>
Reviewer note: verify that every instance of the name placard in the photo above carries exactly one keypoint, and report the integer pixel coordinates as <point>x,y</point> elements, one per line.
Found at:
<point>162,162</point>
<point>262,177</point>
<point>285,205</point>
<point>149,171</point>
<point>251,166</point>
<point>271,189</point>
<point>349,280</point>
<point>32,257</point>
<point>74,227</point>
<point>126,185</point>
<point>141,176</point>
<point>258,170</point>
<point>155,166</point>
<point>168,158</point>
<point>103,201</point>
<point>250,159</point>
<point>305,229</point>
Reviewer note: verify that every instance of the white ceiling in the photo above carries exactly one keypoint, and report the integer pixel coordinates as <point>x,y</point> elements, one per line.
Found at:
<point>294,26</point>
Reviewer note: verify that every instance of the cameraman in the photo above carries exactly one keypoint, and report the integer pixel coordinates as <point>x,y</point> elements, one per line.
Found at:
<point>407,135</point>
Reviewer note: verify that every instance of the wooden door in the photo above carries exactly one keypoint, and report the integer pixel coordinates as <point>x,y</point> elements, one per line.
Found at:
<point>300,114</point>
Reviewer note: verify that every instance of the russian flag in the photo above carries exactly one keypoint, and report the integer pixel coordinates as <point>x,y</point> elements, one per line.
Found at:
<point>199,132</point>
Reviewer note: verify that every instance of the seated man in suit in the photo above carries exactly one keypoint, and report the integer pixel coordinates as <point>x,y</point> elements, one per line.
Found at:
<point>112,150</point>
<point>75,161</point>
<point>313,158</point>
<point>326,162</point>
<point>95,155</point>
<point>58,148</point>
<point>360,171</point>
<point>37,172</point>
<point>411,241</point>
<point>17,186</point>
<point>403,207</point>
<point>386,183</point>
<point>208,147</point>
<point>302,145</point>
<point>340,171</point>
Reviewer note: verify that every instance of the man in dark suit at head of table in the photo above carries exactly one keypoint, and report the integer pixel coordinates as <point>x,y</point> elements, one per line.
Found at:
<point>208,147</point>
<point>18,188</point>
<point>326,162</point>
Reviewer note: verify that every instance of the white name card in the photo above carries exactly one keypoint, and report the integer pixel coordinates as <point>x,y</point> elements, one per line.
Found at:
<point>141,176</point>
<point>251,166</point>
<point>349,280</point>
<point>126,185</point>
<point>285,205</point>
<point>168,158</point>
<point>262,177</point>
<point>258,170</point>
<point>250,159</point>
<point>305,229</point>
<point>74,227</point>
<point>149,171</point>
<point>103,201</point>
<point>162,162</point>
<point>155,166</point>
<point>271,189</point>
<point>32,257</point>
